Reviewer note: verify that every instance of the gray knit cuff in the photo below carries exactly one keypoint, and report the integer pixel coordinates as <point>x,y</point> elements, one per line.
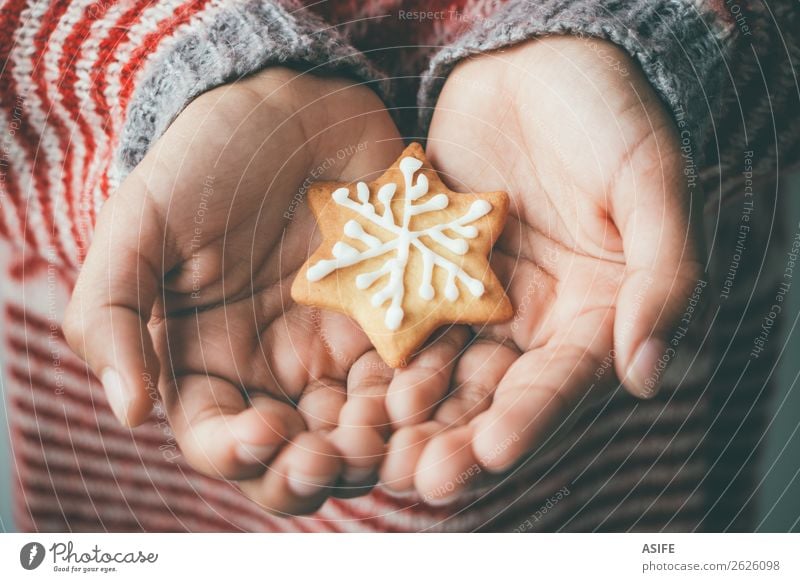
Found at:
<point>225,43</point>
<point>680,45</point>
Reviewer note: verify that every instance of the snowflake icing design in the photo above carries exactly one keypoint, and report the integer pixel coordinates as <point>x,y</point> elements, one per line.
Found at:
<point>345,255</point>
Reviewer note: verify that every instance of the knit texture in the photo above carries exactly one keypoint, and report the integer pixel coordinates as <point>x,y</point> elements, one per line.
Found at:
<point>680,46</point>
<point>232,41</point>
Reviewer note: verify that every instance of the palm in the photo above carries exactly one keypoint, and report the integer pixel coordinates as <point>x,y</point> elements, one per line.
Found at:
<point>226,307</point>
<point>568,143</point>
<point>213,213</point>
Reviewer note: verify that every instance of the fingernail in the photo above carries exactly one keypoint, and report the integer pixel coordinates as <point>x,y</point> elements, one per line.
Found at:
<point>254,454</point>
<point>308,485</point>
<point>647,369</point>
<point>118,397</point>
<point>393,489</point>
<point>441,501</point>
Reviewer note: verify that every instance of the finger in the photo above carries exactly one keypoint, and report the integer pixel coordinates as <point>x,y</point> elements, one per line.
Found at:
<point>416,390</point>
<point>321,403</point>
<point>658,218</point>
<point>367,384</point>
<point>543,393</point>
<point>447,467</point>
<point>362,451</point>
<point>106,320</point>
<point>404,450</point>
<point>294,362</point>
<point>476,376</point>
<point>220,433</point>
<point>363,424</point>
<point>300,478</point>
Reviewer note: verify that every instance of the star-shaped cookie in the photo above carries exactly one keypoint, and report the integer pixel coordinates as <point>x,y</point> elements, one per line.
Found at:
<point>404,255</point>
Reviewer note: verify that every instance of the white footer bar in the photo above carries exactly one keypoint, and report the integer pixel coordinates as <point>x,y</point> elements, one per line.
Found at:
<point>401,557</point>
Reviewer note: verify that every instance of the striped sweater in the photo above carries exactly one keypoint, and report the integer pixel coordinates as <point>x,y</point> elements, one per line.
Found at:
<point>86,87</point>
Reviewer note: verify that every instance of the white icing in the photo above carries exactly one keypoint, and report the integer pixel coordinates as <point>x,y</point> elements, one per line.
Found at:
<point>345,255</point>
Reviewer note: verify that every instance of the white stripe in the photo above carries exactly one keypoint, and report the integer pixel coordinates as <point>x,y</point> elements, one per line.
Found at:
<point>112,512</point>
<point>69,466</point>
<point>55,49</point>
<point>18,159</point>
<point>85,65</point>
<point>148,22</point>
<point>11,170</point>
<point>23,57</point>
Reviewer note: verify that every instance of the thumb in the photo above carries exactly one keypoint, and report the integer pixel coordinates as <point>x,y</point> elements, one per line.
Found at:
<point>658,214</point>
<point>106,319</point>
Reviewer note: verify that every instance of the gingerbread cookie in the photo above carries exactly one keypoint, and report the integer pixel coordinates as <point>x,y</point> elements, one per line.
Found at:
<point>404,255</point>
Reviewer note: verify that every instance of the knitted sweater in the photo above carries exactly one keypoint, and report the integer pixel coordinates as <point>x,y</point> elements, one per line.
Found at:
<point>86,87</point>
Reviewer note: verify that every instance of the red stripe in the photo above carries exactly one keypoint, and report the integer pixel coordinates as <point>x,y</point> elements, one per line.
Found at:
<point>62,133</point>
<point>372,521</point>
<point>130,69</point>
<point>40,356</point>
<point>36,384</point>
<point>66,65</point>
<point>25,408</point>
<point>72,49</point>
<point>154,517</point>
<point>44,521</point>
<point>381,500</point>
<point>149,44</point>
<point>136,468</point>
<point>105,55</point>
<point>55,521</point>
<point>182,15</point>
<point>33,141</point>
<point>11,20</point>
<point>5,229</point>
<point>121,459</point>
<point>28,318</point>
<point>149,496</point>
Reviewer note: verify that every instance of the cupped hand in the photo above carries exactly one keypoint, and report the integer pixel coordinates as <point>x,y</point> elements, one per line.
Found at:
<point>187,281</point>
<point>599,256</point>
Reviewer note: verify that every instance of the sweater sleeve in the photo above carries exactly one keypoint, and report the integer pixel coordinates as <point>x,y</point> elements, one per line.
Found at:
<point>726,69</point>
<point>89,86</point>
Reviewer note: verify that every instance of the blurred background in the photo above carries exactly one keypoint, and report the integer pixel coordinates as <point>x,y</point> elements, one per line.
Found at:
<point>779,491</point>
<point>779,503</point>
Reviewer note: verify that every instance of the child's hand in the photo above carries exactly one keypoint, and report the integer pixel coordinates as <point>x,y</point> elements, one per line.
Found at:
<point>187,281</point>
<point>598,253</point>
